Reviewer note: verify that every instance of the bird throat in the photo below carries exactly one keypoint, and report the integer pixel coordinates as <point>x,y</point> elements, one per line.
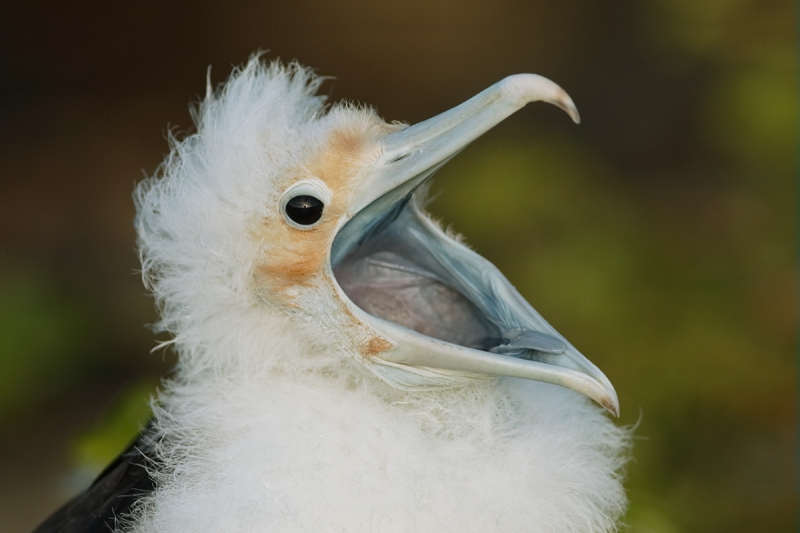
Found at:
<point>393,287</point>
<point>391,277</point>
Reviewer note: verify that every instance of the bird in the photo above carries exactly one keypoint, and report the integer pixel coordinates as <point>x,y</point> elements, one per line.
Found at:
<point>345,363</point>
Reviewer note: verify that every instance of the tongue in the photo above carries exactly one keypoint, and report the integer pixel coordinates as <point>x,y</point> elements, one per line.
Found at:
<point>521,342</point>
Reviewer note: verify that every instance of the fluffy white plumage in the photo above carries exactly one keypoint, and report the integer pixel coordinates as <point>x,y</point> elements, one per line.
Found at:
<point>272,421</point>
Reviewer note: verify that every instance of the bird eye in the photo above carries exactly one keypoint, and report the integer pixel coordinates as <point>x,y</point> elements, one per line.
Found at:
<point>304,210</point>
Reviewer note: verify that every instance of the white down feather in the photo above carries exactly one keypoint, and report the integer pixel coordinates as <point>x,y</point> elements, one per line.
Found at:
<point>271,425</point>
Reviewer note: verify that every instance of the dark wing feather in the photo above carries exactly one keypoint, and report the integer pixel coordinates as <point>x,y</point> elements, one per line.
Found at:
<point>112,494</point>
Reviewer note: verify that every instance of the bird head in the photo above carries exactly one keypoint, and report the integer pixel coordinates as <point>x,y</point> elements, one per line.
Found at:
<point>280,208</point>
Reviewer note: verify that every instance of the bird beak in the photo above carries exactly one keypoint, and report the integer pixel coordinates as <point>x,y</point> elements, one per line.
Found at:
<point>449,315</point>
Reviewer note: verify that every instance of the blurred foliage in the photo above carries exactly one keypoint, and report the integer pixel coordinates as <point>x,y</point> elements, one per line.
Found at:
<point>45,333</point>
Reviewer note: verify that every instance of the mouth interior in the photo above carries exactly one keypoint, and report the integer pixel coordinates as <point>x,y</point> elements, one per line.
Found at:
<point>396,265</point>
<point>392,277</point>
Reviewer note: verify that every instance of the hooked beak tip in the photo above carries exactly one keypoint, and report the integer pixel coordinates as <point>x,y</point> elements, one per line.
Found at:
<point>531,87</point>
<point>611,407</point>
<point>563,101</point>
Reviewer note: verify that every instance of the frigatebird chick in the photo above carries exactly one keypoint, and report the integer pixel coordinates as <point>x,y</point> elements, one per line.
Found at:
<point>344,363</point>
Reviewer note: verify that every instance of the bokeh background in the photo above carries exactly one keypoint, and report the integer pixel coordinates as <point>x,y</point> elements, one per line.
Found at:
<point>658,236</point>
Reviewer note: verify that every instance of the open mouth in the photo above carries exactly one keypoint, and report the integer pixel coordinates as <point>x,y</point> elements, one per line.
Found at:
<point>414,276</point>
<point>446,308</point>
<point>393,275</point>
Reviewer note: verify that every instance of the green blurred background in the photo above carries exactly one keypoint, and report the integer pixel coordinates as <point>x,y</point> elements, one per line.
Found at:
<point>658,236</point>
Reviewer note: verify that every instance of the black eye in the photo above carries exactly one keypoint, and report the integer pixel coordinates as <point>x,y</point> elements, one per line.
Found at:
<point>304,210</point>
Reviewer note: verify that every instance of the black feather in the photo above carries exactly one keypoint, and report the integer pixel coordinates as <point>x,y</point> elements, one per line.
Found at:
<point>116,489</point>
